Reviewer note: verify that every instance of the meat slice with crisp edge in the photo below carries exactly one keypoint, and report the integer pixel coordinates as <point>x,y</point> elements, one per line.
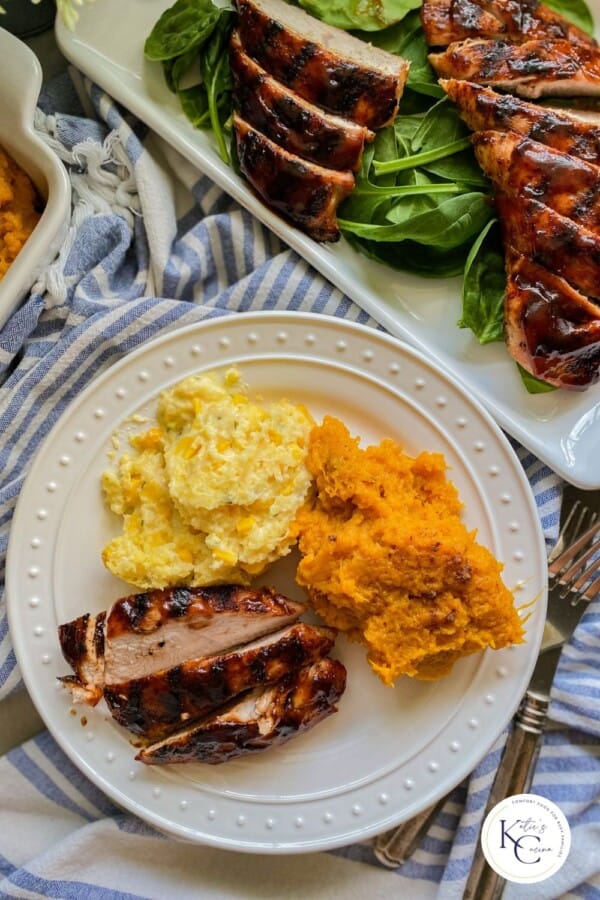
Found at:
<point>263,718</point>
<point>159,703</point>
<point>154,630</point>
<point>321,63</point>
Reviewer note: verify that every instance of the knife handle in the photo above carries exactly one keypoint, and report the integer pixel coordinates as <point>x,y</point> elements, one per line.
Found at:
<point>514,776</point>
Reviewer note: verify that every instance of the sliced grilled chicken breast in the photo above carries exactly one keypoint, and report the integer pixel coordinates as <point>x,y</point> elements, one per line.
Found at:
<point>551,240</point>
<point>159,703</point>
<point>295,124</point>
<point>482,109</point>
<point>446,21</point>
<point>304,193</point>
<point>524,168</point>
<point>323,64</point>
<point>82,644</point>
<point>158,629</point>
<point>535,68</point>
<point>263,718</point>
<point>552,330</point>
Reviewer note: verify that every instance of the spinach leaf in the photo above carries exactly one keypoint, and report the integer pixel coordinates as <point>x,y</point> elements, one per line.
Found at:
<point>440,126</point>
<point>185,25</point>
<point>429,262</point>
<point>196,33</point>
<point>217,78</point>
<point>371,15</point>
<point>461,167</point>
<point>449,224</point>
<point>484,286</point>
<point>534,385</point>
<point>576,11</point>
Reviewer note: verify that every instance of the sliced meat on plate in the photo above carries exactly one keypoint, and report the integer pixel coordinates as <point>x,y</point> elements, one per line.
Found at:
<point>482,109</point>
<point>323,64</point>
<point>158,629</point>
<point>82,644</point>
<point>157,704</point>
<point>446,21</point>
<point>555,242</point>
<point>524,168</point>
<point>295,124</point>
<point>263,718</point>
<point>302,192</point>
<point>536,68</point>
<point>552,330</point>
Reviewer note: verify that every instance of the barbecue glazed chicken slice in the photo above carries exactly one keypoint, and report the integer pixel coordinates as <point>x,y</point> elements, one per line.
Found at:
<point>446,21</point>
<point>532,69</point>
<point>302,192</point>
<point>158,629</point>
<point>483,109</point>
<point>263,718</point>
<point>552,330</point>
<point>555,242</point>
<point>159,703</point>
<point>323,64</point>
<point>525,169</point>
<point>288,120</point>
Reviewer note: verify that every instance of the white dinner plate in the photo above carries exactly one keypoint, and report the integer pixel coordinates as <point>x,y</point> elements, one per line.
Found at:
<point>388,752</point>
<point>562,428</point>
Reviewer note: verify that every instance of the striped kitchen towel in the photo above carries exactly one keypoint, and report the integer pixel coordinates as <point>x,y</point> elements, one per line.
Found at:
<point>153,246</point>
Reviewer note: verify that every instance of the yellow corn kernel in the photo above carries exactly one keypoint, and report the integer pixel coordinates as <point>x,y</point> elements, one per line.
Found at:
<point>185,555</point>
<point>239,399</point>
<point>148,440</point>
<point>275,437</point>
<point>232,377</point>
<point>187,447</point>
<point>223,445</point>
<point>225,556</point>
<point>197,404</point>
<point>245,525</point>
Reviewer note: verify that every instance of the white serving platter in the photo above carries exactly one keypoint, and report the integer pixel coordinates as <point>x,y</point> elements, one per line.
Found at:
<point>562,428</point>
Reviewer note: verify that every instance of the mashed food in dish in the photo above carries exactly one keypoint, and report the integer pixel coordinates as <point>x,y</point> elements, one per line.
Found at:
<point>19,210</point>
<point>210,493</point>
<point>387,559</point>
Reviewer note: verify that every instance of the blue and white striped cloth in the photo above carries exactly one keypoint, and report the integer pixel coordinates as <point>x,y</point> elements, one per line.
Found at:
<point>150,250</point>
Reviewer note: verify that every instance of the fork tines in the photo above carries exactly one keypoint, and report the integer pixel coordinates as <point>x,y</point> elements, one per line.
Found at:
<point>577,567</point>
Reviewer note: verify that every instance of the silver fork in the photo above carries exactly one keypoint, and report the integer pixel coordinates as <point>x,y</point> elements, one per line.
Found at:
<point>566,567</point>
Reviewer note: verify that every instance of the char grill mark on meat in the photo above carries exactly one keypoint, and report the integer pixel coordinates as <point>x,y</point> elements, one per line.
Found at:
<point>155,630</point>
<point>159,703</point>
<point>552,330</point>
<point>304,193</point>
<point>324,65</point>
<point>82,644</point>
<point>288,120</point>
<point>447,21</point>
<point>526,169</point>
<point>483,109</point>
<point>553,241</point>
<point>263,718</point>
<point>535,68</point>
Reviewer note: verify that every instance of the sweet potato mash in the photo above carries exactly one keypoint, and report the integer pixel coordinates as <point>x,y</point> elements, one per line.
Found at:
<point>19,210</point>
<point>387,559</point>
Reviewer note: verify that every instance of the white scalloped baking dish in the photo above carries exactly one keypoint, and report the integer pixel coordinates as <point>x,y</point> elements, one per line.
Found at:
<point>20,83</point>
